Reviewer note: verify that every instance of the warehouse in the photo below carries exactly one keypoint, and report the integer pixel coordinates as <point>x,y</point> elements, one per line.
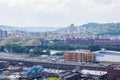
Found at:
<point>93,74</point>
<point>107,56</point>
<point>113,72</point>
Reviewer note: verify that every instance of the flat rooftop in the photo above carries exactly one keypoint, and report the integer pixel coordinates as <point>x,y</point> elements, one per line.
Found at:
<point>115,67</point>
<point>53,71</point>
<point>93,72</point>
<point>79,51</point>
<point>108,52</point>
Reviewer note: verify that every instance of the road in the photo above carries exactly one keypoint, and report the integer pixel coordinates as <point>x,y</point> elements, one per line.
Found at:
<point>15,58</point>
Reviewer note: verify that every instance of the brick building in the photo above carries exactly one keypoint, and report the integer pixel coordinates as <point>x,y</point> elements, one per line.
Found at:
<point>100,42</point>
<point>79,56</point>
<point>113,72</point>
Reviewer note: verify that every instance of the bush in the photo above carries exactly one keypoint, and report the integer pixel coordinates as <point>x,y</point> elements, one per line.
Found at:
<point>53,78</point>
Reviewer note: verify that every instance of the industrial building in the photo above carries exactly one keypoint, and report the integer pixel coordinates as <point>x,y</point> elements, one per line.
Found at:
<point>4,64</point>
<point>79,56</point>
<point>30,71</point>
<point>113,72</point>
<point>68,75</point>
<point>107,56</point>
<point>93,74</point>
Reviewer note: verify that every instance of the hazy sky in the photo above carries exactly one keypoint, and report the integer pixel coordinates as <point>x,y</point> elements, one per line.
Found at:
<point>58,12</point>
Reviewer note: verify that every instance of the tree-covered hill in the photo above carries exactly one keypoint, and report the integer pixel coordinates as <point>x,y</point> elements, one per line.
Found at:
<point>21,41</point>
<point>107,28</point>
<point>99,28</point>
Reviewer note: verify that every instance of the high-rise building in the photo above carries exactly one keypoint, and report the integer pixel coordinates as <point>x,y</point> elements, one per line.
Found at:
<point>3,34</point>
<point>0,34</point>
<point>79,56</point>
<point>73,31</point>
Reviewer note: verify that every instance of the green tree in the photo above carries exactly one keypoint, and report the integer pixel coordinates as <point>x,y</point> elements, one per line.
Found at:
<point>47,52</point>
<point>58,54</point>
<point>1,48</point>
<point>36,50</point>
<point>94,48</point>
<point>53,78</point>
<point>6,79</point>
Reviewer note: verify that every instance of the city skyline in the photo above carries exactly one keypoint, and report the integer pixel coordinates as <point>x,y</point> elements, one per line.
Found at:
<point>58,13</point>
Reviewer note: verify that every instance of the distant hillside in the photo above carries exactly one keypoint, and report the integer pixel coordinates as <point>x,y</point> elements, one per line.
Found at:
<point>97,28</point>
<point>100,29</point>
<point>38,29</point>
<point>62,30</point>
<point>28,29</point>
<point>7,28</point>
<point>19,40</point>
<point>108,28</point>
